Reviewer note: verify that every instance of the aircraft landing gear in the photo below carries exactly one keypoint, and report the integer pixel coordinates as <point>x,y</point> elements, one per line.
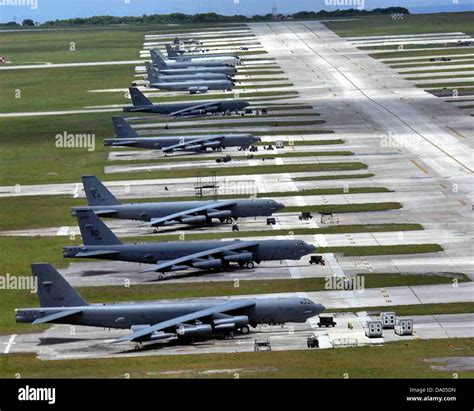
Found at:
<point>229,220</point>
<point>138,346</point>
<point>245,330</point>
<point>249,265</point>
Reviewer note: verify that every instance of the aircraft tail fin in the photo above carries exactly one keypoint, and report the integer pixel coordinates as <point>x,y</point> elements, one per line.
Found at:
<point>153,77</point>
<point>53,289</point>
<point>93,230</point>
<point>122,128</point>
<point>96,193</point>
<point>170,51</point>
<point>158,59</point>
<point>138,99</point>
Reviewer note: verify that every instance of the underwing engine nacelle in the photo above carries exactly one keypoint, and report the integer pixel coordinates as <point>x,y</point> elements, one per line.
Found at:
<point>198,90</point>
<point>151,337</point>
<point>195,219</point>
<point>211,263</point>
<point>231,323</point>
<point>194,330</point>
<point>239,258</point>
<point>220,214</point>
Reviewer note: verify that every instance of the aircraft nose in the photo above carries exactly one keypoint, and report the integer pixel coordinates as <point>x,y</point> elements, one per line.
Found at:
<point>311,248</point>
<point>279,206</point>
<point>319,308</point>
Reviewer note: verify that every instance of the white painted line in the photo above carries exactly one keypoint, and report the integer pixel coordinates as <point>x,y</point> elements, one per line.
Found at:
<point>9,344</point>
<point>63,231</point>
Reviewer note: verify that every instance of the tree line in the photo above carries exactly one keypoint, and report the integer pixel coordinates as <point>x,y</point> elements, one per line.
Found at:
<point>180,18</point>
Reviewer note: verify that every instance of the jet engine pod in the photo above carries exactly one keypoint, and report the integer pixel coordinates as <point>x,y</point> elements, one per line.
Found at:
<point>239,258</point>
<point>198,90</point>
<point>231,323</point>
<point>220,214</point>
<point>194,330</point>
<point>195,219</point>
<point>212,263</point>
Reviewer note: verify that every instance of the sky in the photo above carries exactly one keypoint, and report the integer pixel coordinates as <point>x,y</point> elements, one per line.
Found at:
<point>42,10</point>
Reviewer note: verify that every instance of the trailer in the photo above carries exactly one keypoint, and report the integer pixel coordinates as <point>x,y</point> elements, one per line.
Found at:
<point>373,329</point>
<point>262,345</point>
<point>326,321</point>
<point>388,319</point>
<point>317,259</point>
<point>404,327</point>
<point>312,342</point>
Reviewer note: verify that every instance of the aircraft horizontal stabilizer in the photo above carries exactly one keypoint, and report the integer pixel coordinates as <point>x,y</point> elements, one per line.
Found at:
<point>56,316</point>
<point>95,253</point>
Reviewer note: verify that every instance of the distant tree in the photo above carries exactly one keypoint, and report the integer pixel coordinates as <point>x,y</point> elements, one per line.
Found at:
<point>11,23</point>
<point>28,22</point>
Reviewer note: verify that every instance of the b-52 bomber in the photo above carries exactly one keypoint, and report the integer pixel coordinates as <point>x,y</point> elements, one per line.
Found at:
<point>179,68</point>
<point>194,86</point>
<point>156,54</point>
<point>191,57</point>
<point>153,321</point>
<point>191,77</point>
<point>126,136</point>
<point>100,242</point>
<point>104,204</point>
<point>143,105</point>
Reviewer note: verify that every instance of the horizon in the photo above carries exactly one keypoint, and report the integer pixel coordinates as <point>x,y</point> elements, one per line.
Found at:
<point>45,10</point>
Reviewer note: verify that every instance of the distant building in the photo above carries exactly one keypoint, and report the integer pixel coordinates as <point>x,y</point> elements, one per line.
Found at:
<point>397,16</point>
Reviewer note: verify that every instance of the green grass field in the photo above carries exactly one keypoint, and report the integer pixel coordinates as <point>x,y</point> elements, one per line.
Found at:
<point>412,24</point>
<point>56,209</point>
<point>427,53</point>
<point>29,154</point>
<point>33,47</point>
<point>62,88</point>
<point>407,360</point>
<point>416,309</point>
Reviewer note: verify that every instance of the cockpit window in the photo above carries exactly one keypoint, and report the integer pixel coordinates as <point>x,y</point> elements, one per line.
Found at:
<point>306,301</point>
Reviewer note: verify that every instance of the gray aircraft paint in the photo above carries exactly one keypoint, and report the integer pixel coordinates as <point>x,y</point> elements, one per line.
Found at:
<point>193,86</point>
<point>100,242</point>
<point>185,54</point>
<point>103,203</point>
<point>61,304</point>
<point>229,71</point>
<point>142,104</point>
<point>126,136</point>
<point>233,60</point>
<point>170,78</point>
<point>159,60</point>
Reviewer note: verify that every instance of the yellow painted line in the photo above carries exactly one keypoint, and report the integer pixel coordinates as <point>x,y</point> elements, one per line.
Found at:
<point>456,132</point>
<point>420,167</point>
<point>462,201</point>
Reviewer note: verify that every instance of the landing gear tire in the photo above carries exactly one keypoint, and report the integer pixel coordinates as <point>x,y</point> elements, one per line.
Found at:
<point>249,265</point>
<point>228,220</point>
<point>245,330</point>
